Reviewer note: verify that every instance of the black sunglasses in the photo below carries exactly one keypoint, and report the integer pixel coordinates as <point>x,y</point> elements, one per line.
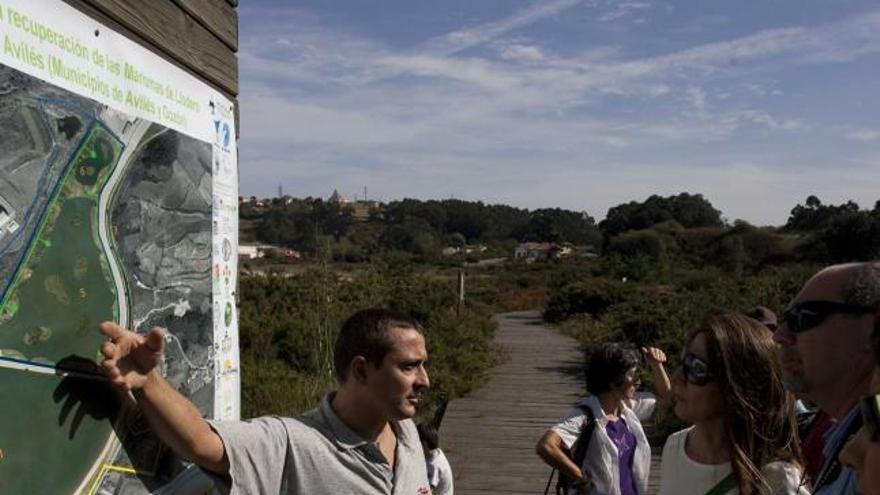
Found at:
<point>870,408</point>
<point>695,370</point>
<point>805,315</point>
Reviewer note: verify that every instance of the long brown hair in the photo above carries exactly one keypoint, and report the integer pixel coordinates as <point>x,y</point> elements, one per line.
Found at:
<point>759,412</point>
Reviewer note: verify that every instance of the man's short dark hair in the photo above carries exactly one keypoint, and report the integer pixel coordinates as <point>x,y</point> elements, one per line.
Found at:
<point>428,435</point>
<point>608,365</point>
<point>366,333</point>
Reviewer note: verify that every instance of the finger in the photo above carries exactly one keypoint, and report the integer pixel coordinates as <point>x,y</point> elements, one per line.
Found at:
<point>110,366</point>
<point>112,372</point>
<point>112,330</point>
<point>109,349</point>
<point>156,340</point>
<point>120,384</point>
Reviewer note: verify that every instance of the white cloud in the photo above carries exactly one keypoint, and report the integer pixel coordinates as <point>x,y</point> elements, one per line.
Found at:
<point>619,10</point>
<point>472,70</point>
<point>767,120</point>
<point>864,134</point>
<point>520,53</point>
<point>457,41</point>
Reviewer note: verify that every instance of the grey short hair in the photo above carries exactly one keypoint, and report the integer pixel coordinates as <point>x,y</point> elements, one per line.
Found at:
<point>863,287</point>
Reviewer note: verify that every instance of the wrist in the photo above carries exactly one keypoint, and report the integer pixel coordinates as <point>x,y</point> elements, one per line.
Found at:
<point>151,380</point>
<point>583,481</point>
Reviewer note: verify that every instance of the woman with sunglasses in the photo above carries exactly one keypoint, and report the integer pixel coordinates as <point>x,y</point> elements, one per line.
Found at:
<point>862,451</point>
<point>600,445</point>
<point>744,434</point>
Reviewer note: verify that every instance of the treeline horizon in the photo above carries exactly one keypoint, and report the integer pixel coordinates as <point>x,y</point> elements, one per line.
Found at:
<point>318,227</point>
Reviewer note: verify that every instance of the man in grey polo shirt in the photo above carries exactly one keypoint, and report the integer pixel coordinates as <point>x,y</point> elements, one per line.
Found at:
<point>361,439</point>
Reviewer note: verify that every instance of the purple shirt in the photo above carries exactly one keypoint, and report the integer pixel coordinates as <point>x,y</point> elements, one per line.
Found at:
<point>625,442</point>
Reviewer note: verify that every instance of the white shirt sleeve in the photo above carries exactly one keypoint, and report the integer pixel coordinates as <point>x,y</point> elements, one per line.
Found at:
<point>643,405</point>
<point>444,482</point>
<point>569,428</point>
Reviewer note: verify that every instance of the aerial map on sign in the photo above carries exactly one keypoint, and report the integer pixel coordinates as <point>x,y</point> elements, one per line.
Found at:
<point>118,201</point>
<point>103,216</point>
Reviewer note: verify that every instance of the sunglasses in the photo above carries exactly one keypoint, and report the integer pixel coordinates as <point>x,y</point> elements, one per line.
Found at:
<point>870,408</point>
<point>805,315</point>
<point>695,370</point>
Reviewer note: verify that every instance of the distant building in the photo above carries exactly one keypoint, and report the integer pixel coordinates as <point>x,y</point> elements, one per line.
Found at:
<point>7,223</point>
<point>562,250</point>
<point>450,251</point>
<point>255,251</point>
<point>337,198</point>
<point>250,251</point>
<point>466,249</point>
<point>361,211</point>
<point>533,251</point>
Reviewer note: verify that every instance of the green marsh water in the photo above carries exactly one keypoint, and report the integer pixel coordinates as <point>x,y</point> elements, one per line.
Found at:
<point>60,294</point>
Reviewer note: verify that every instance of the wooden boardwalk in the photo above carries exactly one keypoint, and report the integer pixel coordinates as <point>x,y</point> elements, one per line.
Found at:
<point>490,436</point>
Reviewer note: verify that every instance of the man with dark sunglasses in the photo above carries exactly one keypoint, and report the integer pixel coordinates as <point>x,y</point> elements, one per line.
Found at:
<point>824,339</point>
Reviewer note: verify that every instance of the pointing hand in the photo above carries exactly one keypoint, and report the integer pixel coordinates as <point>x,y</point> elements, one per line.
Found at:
<point>129,358</point>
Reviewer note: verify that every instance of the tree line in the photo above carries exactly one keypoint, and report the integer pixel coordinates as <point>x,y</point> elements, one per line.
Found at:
<point>317,227</point>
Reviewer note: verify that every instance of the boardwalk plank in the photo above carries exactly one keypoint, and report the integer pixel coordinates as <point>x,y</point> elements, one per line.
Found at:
<point>490,436</point>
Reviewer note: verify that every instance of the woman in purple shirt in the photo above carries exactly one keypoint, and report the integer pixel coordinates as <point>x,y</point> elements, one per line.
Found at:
<point>617,459</point>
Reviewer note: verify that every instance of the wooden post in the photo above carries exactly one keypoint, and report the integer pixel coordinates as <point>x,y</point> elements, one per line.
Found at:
<point>460,291</point>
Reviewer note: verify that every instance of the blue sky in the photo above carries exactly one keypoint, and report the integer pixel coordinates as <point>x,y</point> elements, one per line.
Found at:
<point>579,104</point>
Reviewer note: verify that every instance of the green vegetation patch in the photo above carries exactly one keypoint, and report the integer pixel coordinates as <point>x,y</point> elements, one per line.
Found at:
<point>97,154</point>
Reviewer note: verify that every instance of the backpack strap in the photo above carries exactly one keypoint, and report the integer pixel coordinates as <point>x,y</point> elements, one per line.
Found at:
<point>550,481</point>
<point>580,447</point>
<point>725,485</point>
<point>583,441</point>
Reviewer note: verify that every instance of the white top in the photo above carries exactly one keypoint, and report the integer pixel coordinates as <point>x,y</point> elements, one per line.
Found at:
<point>439,473</point>
<point>681,475</point>
<point>601,461</point>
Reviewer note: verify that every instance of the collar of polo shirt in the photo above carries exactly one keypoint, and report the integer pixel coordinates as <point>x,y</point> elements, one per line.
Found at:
<point>345,437</point>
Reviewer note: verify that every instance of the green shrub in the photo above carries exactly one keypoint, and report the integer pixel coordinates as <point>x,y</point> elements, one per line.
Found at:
<point>593,297</point>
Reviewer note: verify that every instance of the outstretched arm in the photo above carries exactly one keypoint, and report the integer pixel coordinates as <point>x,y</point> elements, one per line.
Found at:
<point>655,359</point>
<point>131,363</point>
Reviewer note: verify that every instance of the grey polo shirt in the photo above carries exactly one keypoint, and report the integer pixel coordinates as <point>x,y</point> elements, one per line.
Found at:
<point>317,453</point>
